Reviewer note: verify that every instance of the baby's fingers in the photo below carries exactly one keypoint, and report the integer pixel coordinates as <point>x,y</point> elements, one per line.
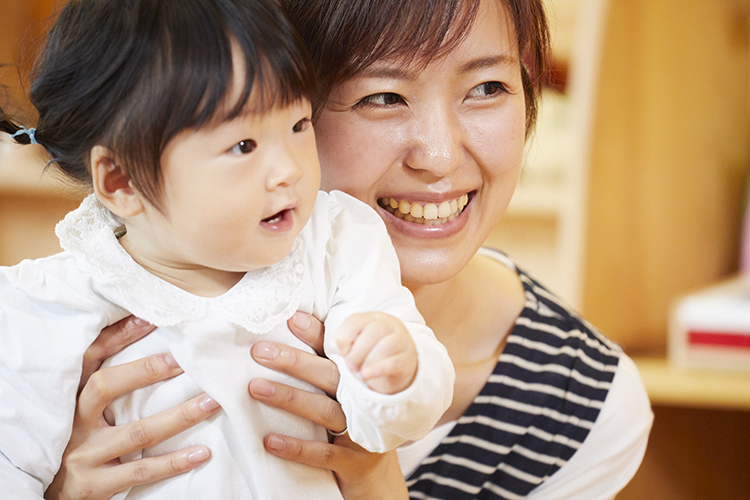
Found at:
<point>350,330</point>
<point>391,366</point>
<point>369,337</point>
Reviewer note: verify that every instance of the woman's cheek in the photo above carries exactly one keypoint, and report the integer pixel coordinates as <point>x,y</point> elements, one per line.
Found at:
<point>356,155</point>
<point>498,144</point>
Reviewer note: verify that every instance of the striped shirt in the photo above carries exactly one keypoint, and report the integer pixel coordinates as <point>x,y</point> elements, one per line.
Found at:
<point>534,412</point>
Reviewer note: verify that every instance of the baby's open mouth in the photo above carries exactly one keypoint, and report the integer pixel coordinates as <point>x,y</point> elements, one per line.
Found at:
<point>429,213</point>
<point>275,218</point>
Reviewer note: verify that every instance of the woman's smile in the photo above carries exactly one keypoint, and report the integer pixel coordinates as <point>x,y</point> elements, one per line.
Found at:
<point>429,214</point>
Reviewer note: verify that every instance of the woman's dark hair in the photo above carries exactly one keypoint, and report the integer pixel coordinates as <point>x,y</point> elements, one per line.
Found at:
<point>345,37</point>
<point>131,74</point>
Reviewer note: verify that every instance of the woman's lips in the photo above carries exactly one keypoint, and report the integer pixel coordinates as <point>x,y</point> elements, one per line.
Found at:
<point>425,213</point>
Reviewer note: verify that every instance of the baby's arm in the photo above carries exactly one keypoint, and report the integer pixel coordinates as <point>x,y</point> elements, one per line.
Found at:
<point>363,277</point>
<point>46,327</point>
<point>379,348</point>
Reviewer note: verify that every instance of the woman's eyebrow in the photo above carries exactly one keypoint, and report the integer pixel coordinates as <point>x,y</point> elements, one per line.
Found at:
<point>399,73</point>
<point>487,62</point>
<point>388,72</point>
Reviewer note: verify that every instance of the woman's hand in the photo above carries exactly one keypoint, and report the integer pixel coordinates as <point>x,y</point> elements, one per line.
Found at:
<point>91,468</point>
<point>361,475</point>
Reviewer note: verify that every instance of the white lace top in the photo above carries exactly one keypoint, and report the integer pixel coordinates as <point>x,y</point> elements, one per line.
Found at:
<point>51,309</point>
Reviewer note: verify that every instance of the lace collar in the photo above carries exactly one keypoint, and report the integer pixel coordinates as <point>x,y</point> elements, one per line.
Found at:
<point>262,300</point>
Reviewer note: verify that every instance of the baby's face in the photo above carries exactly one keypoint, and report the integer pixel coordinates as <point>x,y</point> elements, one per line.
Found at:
<point>237,194</point>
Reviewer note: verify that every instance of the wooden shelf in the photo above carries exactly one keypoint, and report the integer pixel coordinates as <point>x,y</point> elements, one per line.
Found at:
<point>22,172</point>
<point>672,385</point>
<point>536,200</point>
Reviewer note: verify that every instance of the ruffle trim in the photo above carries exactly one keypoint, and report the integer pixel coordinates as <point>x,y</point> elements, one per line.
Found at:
<point>262,300</point>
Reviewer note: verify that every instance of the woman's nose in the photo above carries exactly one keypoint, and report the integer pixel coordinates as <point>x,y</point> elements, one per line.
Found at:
<point>437,143</point>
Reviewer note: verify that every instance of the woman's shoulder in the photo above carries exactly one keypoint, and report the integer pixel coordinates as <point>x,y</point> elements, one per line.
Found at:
<point>548,318</point>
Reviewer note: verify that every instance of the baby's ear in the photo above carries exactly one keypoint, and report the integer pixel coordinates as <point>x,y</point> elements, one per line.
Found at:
<point>112,185</point>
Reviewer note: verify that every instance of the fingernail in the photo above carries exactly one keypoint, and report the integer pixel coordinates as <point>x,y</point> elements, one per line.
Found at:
<point>275,443</point>
<point>208,404</point>
<point>171,362</point>
<point>302,321</point>
<point>199,455</point>
<point>263,387</point>
<point>141,322</point>
<point>266,351</point>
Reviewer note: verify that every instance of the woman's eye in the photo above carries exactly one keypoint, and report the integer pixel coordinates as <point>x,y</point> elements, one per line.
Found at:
<point>487,89</point>
<point>244,147</point>
<point>301,125</point>
<point>382,99</point>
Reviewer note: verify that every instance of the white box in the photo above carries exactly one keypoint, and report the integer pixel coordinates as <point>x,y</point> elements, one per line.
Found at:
<point>711,328</point>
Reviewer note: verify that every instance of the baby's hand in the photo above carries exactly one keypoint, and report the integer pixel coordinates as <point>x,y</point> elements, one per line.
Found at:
<point>378,347</point>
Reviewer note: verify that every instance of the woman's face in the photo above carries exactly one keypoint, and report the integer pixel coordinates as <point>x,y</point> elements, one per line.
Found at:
<point>443,143</point>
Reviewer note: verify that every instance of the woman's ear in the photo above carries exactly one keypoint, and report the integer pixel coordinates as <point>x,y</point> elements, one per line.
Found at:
<point>112,185</point>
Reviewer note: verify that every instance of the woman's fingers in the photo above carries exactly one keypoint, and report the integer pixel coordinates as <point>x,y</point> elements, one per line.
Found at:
<point>110,341</point>
<point>77,479</point>
<point>314,453</point>
<point>149,470</point>
<point>308,329</point>
<point>152,430</point>
<point>106,384</point>
<point>91,459</point>
<point>360,474</point>
<point>318,371</point>
<point>317,408</point>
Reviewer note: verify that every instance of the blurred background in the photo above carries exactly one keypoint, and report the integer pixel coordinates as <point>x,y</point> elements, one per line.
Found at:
<point>632,197</point>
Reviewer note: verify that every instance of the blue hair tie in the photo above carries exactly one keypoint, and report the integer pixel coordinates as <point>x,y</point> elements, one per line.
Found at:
<point>27,131</point>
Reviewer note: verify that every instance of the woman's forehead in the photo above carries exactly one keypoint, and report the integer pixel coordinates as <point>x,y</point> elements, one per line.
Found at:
<point>489,40</point>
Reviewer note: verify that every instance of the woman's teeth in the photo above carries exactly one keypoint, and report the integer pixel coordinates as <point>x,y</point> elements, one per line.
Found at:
<point>430,213</point>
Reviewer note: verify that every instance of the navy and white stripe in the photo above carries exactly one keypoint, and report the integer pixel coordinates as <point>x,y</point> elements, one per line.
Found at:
<point>534,412</point>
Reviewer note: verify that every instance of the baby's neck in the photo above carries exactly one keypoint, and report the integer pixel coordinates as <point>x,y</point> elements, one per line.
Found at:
<point>201,281</point>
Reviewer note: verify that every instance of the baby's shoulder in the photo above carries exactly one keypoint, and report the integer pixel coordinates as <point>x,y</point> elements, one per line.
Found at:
<point>337,206</point>
<point>56,279</point>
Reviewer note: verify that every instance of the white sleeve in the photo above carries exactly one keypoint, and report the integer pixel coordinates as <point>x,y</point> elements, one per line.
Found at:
<point>42,342</point>
<point>367,277</point>
<point>612,452</point>
<point>17,484</point>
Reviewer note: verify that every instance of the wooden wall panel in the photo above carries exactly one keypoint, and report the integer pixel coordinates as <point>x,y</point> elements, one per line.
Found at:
<point>671,150</point>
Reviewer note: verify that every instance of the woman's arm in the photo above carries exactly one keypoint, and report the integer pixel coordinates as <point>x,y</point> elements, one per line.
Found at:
<point>91,468</point>
<point>361,475</point>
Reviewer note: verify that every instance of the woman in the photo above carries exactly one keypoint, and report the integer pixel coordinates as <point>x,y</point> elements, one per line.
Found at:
<point>424,106</point>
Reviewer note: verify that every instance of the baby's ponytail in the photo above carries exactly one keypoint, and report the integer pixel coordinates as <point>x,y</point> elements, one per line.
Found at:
<point>19,133</point>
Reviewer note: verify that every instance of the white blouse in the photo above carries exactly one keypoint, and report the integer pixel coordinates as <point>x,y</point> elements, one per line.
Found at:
<point>53,308</point>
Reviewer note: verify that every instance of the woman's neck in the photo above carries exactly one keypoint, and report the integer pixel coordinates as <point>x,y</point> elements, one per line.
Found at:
<point>472,312</point>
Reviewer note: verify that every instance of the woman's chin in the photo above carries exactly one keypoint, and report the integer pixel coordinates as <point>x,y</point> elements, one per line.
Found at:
<point>431,266</point>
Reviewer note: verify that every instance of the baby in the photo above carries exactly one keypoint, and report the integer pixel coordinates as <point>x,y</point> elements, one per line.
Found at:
<point>189,120</point>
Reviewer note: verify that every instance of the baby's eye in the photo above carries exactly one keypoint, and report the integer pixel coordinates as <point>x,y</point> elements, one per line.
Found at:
<point>487,89</point>
<point>301,125</point>
<point>244,147</point>
<point>382,99</point>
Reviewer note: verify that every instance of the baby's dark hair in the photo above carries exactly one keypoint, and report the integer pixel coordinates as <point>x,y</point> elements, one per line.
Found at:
<point>131,74</point>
